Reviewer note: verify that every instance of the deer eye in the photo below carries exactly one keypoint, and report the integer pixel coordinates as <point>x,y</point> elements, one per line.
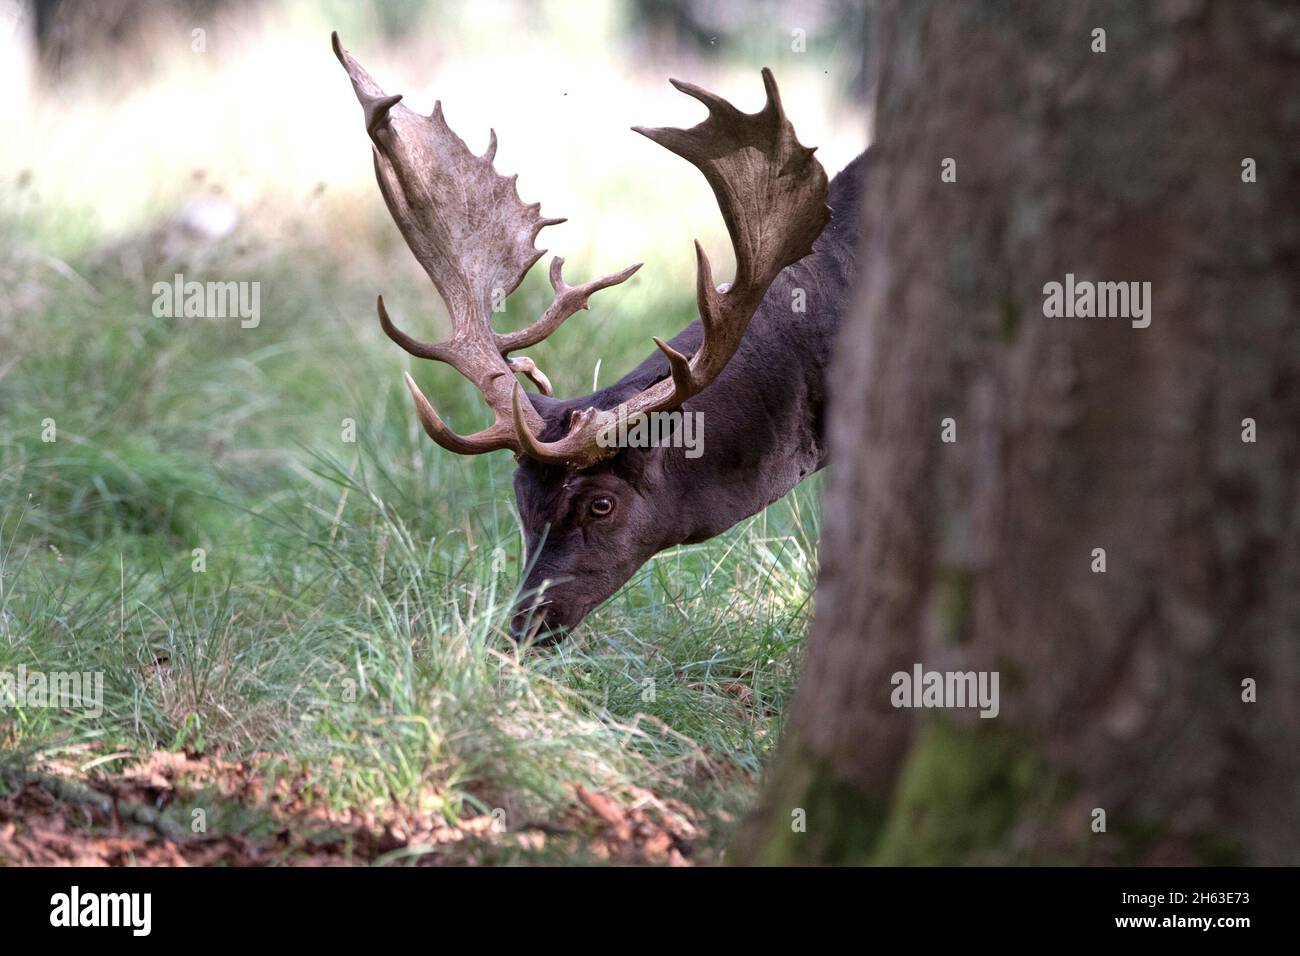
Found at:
<point>601,506</point>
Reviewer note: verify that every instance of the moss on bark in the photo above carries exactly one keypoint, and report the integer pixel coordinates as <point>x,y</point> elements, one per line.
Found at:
<point>809,817</point>
<point>959,794</point>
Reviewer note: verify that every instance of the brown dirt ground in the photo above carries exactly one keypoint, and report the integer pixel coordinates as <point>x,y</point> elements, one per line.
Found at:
<point>61,817</point>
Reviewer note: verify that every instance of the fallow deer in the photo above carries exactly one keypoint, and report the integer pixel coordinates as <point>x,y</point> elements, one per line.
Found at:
<point>753,364</point>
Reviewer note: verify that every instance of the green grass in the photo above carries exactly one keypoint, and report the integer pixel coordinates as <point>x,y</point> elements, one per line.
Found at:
<point>350,616</point>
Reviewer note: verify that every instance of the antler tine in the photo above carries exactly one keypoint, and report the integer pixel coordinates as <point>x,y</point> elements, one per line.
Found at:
<point>568,300</point>
<point>426,350</point>
<point>771,192</point>
<point>712,101</point>
<point>528,368</point>
<point>494,438</point>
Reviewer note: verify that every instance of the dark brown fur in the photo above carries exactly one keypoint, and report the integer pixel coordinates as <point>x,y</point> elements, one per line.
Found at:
<point>763,421</point>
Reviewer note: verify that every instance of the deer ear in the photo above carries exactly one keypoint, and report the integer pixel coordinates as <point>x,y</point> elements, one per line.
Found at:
<point>554,412</point>
<point>544,404</point>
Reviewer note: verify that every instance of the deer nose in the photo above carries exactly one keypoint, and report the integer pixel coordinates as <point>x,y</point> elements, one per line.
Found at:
<point>526,620</point>
<point>537,624</point>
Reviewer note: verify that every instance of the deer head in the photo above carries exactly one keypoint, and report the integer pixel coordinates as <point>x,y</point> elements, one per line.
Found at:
<point>592,512</point>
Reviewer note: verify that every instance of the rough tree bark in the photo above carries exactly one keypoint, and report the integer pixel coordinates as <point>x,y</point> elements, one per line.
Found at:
<point>1122,690</point>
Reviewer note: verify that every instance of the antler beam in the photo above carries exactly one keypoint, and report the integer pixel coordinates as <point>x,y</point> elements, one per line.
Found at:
<point>473,235</point>
<point>475,238</point>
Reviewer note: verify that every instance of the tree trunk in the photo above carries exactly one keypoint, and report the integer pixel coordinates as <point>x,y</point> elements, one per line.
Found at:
<point>1120,690</point>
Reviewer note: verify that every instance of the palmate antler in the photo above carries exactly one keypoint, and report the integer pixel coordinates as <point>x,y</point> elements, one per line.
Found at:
<point>473,235</point>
